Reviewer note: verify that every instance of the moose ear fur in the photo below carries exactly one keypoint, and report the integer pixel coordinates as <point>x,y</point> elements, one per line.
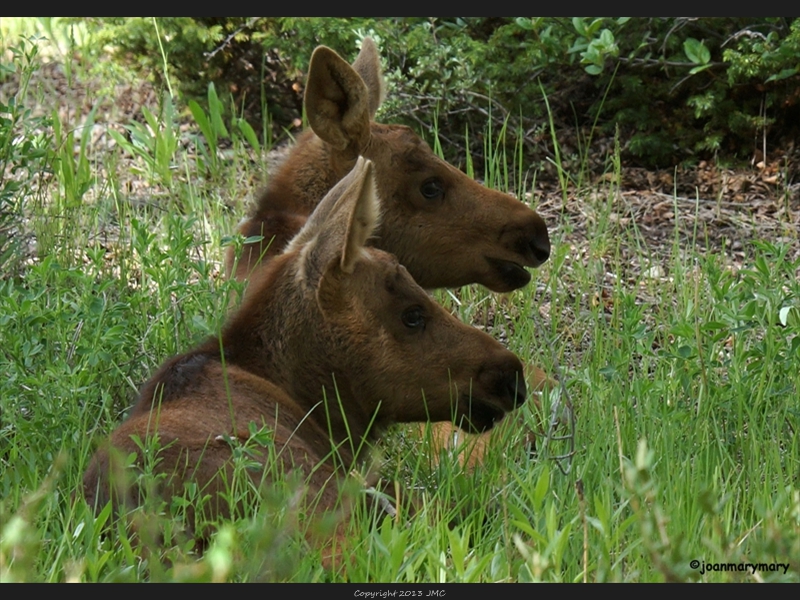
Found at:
<point>363,216</point>
<point>342,242</point>
<point>333,240</point>
<point>368,65</point>
<point>337,103</point>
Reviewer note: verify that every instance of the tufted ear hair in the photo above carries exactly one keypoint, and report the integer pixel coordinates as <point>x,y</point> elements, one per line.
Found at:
<point>337,231</point>
<point>337,103</point>
<point>361,197</point>
<point>368,65</point>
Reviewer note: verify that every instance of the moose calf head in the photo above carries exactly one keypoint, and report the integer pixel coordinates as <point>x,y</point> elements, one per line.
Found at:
<point>445,228</point>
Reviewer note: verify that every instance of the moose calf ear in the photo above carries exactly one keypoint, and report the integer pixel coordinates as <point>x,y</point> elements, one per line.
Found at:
<point>337,102</point>
<point>350,224</point>
<point>368,65</point>
<point>337,230</point>
<point>363,216</point>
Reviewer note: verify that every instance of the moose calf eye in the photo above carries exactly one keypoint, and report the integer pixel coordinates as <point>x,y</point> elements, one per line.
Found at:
<point>432,189</point>
<point>413,318</point>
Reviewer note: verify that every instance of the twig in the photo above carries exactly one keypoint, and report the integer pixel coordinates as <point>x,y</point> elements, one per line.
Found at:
<point>700,200</point>
<point>227,40</point>
<point>743,33</point>
<point>561,406</point>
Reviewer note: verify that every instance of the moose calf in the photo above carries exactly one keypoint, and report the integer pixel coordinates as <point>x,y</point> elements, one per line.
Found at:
<point>334,341</point>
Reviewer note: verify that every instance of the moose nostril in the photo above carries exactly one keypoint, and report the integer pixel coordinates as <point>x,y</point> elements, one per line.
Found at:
<point>505,382</point>
<point>540,246</point>
<point>539,241</point>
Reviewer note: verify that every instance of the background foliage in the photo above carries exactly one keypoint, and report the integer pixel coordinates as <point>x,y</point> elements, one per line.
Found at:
<point>679,88</point>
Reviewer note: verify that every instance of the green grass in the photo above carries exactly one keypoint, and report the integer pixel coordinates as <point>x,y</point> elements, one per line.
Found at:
<point>685,381</point>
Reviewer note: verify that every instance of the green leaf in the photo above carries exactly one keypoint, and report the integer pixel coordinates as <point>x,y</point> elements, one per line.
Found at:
<point>249,134</point>
<point>608,372</point>
<point>607,39</point>
<point>542,485</point>
<point>696,70</point>
<point>215,110</point>
<point>524,23</point>
<point>150,118</point>
<point>594,26</point>
<point>580,26</point>
<point>202,120</point>
<point>696,51</point>
<point>785,73</point>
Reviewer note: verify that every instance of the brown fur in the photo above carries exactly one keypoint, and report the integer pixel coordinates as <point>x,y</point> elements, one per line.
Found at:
<point>334,342</point>
<point>445,228</point>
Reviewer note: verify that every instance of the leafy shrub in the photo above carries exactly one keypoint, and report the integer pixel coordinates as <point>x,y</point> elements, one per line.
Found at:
<point>678,88</point>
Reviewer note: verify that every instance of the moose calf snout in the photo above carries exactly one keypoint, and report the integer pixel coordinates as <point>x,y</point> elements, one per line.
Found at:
<point>506,381</point>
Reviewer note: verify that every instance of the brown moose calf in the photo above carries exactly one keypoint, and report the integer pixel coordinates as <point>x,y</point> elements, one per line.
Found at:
<point>334,341</point>
<point>444,227</point>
